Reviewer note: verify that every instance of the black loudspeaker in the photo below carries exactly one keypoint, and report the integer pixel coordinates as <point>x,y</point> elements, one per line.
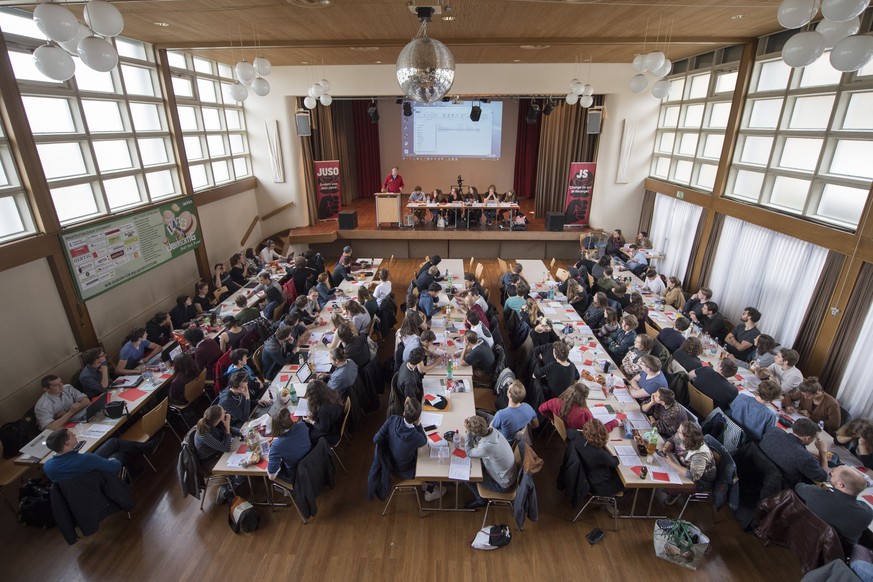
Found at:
<point>554,221</point>
<point>348,219</point>
<point>595,118</point>
<point>304,124</point>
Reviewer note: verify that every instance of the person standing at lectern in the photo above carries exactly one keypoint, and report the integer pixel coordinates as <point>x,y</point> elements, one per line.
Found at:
<point>393,183</point>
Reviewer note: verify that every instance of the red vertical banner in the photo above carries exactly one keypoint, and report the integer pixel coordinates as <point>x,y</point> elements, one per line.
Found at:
<point>327,189</point>
<point>580,189</point>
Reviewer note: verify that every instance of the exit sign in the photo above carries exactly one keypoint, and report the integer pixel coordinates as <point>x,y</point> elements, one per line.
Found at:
<point>680,194</point>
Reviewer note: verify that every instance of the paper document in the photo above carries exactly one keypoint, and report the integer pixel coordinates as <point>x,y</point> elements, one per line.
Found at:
<point>437,322</point>
<point>96,431</point>
<point>236,459</point>
<point>623,396</point>
<point>431,418</point>
<point>320,357</point>
<point>626,451</point>
<point>434,386</point>
<point>604,417</point>
<point>576,356</point>
<point>549,311</point>
<point>629,461</point>
<point>459,469</point>
<point>302,408</point>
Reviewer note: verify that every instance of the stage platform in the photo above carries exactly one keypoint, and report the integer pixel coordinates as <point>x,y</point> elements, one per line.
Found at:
<point>480,241</point>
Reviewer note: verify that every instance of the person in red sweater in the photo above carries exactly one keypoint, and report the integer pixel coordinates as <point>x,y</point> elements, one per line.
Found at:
<point>572,407</point>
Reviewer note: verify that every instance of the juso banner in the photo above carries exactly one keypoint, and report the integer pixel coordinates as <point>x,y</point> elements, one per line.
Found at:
<point>328,189</point>
<point>580,189</point>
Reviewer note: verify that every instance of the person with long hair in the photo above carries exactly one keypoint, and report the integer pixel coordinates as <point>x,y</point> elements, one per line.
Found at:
<point>609,325</point>
<point>558,374</point>
<point>202,301</point>
<point>326,411</point>
<point>366,299</point>
<point>229,338</point>
<point>857,436</point>
<point>326,293</point>
<point>673,296</point>
<point>688,355</point>
<point>764,353</point>
<point>642,347</point>
<point>184,311</point>
<point>358,316</point>
<point>571,406</point>
<point>639,310</point>
<point>290,445</point>
<point>599,463</point>
<point>213,435</point>
<point>814,403</point>
<point>491,196</point>
<point>693,458</point>
<point>593,316</point>
<point>185,370</point>
<point>615,243</point>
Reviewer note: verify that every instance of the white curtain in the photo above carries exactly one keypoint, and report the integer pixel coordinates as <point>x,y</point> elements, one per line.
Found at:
<point>674,223</point>
<point>775,273</point>
<point>854,392</point>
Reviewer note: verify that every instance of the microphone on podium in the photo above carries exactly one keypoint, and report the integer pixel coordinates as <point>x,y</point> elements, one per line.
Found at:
<point>460,182</point>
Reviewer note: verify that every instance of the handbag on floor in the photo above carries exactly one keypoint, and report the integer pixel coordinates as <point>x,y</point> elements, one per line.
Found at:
<point>680,542</point>
<point>492,537</point>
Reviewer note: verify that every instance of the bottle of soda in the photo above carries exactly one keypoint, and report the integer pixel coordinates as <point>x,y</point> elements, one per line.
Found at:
<point>456,439</point>
<point>449,369</point>
<point>293,395</point>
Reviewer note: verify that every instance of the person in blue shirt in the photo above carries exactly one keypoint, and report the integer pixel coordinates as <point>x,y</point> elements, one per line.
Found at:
<point>638,260</point>
<point>622,339</point>
<point>288,448</point>
<point>239,360</point>
<point>110,457</point>
<point>650,378</point>
<point>427,303</point>
<point>513,301</point>
<point>515,417</point>
<point>235,400</point>
<point>133,353</point>
<point>756,415</point>
<point>344,372</point>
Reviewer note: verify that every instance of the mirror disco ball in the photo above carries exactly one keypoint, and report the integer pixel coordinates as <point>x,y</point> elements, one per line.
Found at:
<point>425,70</point>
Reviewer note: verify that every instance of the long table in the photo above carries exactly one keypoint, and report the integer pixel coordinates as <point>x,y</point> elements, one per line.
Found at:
<point>455,207</point>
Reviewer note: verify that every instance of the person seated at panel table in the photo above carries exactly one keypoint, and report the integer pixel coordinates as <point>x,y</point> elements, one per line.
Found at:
<point>236,399</point>
<point>649,380</point>
<point>498,461</point>
<point>594,315</point>
<point>605,282</point>
<point>185,370</point>
<point>479,356</point>
<point>673,293</point>
<point>811,401</point>
<point>342,271</point>
<point>94,377</point>
<point>695,304</point>
<point>508,197</point>
<point>417,196</point>
<point>784,370</point>
<point>343,374</point>
<point>110,457</point>
<point>715,384</point>
<point>59,403</point>
<point>740,343</point>
<point>206,350</point>
<point>614,243</point>
<point>556,376</point>
<point>222,280</point>
<point>517,415</point>
<point>184,312</point>
<point>451,215</point>
<point>471,197</point>
<point>694,459</point>
<point>491,196</point>
<point>326,412</point>
<point>202,300</point>
<point>159,329</point>
<point>436,197</point>
<point>269,254</point>
<point>638,309</point>
<point>643,241</point>
<point>711,321</point>
<point>672,338</point>
<point>664,412</point>
<point>688,355</point>
<point>473,322</point>
<point>857,436</point>
<point>424,280</point>
<point>134,351</point>
<point>788,450</point>
<point>653,282</point>
<point>630,365</point>
<point>355,344</point>
<point>513,301</point>
<point>623,338</point>
<point>839,507</point>
<point>290,444</point>
<point>756,415</point>
<point>763,353</point>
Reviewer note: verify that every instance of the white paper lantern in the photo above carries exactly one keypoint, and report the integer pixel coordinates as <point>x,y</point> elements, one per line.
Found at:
<point>98,54</point>
<point>586,101</point>
<point>660,89</point>
<point>576,86</point>
<point>587,90</point>
<point>664,70</point>
<point>638,64</point>
<point>326,84</point>
<point>309,102</point>
<point>239,92</point>
<point>843,10</point>
<point>326,99</point>
<point>262,66</point>
<point>834,32</point>
<point>245,72</point>
<point>317,90</point>
<point>571,98</point>
<point>72,46</point>
<point>852,53</point>
<point>56,22</point>
<point>803,49</point>
<point>654,60</point>
<point>54,62</point>
<point>104,18</point>
<point>260,86</point>
<point>572,84</point>
<point>638,83</point>
<point>796,13</point>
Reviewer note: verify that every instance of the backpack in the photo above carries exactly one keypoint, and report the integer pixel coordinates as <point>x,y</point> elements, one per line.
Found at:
<point>17,434</point>
<point>34,504</point>
<point>492,537</point>
<point>242,516</point>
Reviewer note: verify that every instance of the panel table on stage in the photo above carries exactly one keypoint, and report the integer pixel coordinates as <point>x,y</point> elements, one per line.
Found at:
<point>460,210</point>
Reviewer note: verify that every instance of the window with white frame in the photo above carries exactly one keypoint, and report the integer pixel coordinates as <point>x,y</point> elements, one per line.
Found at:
<point>16,220</point>
<point>693,119</point>
<point>674,225</point>
<point>854,391</point>
<point>805,140</point>
<point>212,123</point>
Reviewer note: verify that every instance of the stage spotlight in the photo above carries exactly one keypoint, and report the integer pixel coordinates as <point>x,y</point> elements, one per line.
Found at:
<point>549,107</point>
<point>373,113</point>
<point>475,113</point>
<point>533,115</point>
<point>407,108</point>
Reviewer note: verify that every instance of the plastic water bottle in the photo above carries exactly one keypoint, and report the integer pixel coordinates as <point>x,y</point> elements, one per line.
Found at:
<point>610,384</point>
<point>821,425</point>
<point>628,430</point>
<point>293,395</point>
<point>449,369</point>
<point>456,439</point>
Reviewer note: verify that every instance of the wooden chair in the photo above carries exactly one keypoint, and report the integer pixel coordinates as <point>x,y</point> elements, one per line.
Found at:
<point>504,499</point>
<point>560,429</point>
<point>333,447</point>
<point>603,500</point>
<point>287,490</point>
<point>552,265</point>
<point>406,486</point>
<point>373,332</point>
<point>503,266</point>
<point>9,474</point>
<point>218,293</point>
<point>651,331</point>
<point>277,313</point>
<point>148,426</point>
<point>193,390</point>
<point>470,267</point>
<point>479,270</point>
<point>256,359</point>
<point>562,274</point>
<point>700,402</point>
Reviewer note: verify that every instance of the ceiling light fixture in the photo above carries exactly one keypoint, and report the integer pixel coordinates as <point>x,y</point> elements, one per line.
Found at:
<point>448,18</point>
<point>161,24</point>
<point>549,106</point>
<point>534,114</point>
<point>425,68</point>
<point>373,112</point>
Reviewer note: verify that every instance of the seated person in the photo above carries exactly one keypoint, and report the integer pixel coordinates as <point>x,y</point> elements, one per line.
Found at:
<point>517,415</point>
<point>619,293</point>
<point>694,459</point>
<point>355,344</point>
<point>756,415</point>
<point>672,338</point>
<point>498,461</point>
<point>471,303</point>
<point>185,370</point>
<point>239,360</point>
<point>711,321</point>
<point>222,281</point>
<point>571,406</point>
<point>513,301</point>
<point>239,270</point>
<point>763,354</point>
<point>59,403</point>
<point>839,507</point>
<point>236,399</point>
<point>425,279</point>
<point>857,436</point>
<point>246,313</point>
<point>688,356</point>
<point>410,376</point>
<point>342,271</point>
<point>638,309</point>
<point>653,282</point>
<point>649,380</point>
<point>605,282</point>
<point>206,350</point>
<point>159,329</point>
<point>643,240</point>
<point>213,436</point>
<point>740,343</point>
<point>576,296</point>
<point>638,259</point>
<point>303,308</point>
<point>232,333</point>
<point>715,384</point>
<point>383,289</point>
<point>695,304</point>
<point>507,278</point>
<point>673,294</point>
<point>593,316</point>
<point>417,196</point>
<point>427,303</point>
<point>403,435</point>
<point>369,302</point>
<point>109,457</point>
<point>344,372</point>
<point>130,360</point>
<point>478,355</point>
<point>265,281</point>
<point>600,465</point>
<point>290,444</point>
<point>274,300</point>
<point>783,368</point>
<point>559,374</point>
<point>326,412</point>
<point>94,377</point>
<point>473,322</point>
<point>326,292</point>
<point>471,284</point>
<point>610,325</point>
<point>279,350</point>
<point>664,412</point>
<point>788,451</point>
<point>814,403</point>
<point>202,301</point>
<point>614,243</point>
<point>183,313</point>
<point>622,339</point>
<point>268,253</point>
<point>642,347</point>
<point>359,317</point>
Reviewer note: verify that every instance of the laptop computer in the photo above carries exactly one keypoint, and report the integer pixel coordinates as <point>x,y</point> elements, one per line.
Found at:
<point>250,285</point>
<point>96,407</point>
<point>177,351</point>
<point>167,351</point>
<point>303,374</point>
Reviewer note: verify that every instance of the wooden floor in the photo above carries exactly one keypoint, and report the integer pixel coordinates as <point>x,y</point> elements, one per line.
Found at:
<point>169,538</point>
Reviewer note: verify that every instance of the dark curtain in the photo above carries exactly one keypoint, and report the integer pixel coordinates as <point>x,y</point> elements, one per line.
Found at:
<point>695,247</point>
<point>343,138</point>
<point>367,163</point>
<point>330,143</point>
<point>647,211</point>
<point>563,139</point>
<point>818,306</point>
<point>306,144</point>
<point>527,147</point>
<point>848,331</point>
<point>710,248</point>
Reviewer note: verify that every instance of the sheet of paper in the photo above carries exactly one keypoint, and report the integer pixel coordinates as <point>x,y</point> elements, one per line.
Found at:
<point>438,322</point>
<point>431,418</point>
<point>641,424</point>
<point>629,460</point>
<point>96,431</point>
<point>550,311</point>
<point>434,386</point>
<point>236,459</point>
<point>625,451</point>
<point>459,469</point>
<point>555,304</point>
<point>302,408</point>
<point>636,415</point>
<point>623,396</point>
<point>319,357</point>
<point>604,417</point>
<point>576,356</point>
<point>322,368</point>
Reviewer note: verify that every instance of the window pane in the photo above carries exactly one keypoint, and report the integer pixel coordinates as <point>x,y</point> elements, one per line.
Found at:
<point>87,79</point>
<point>187,118</point>
<point>206,90</point>
<point>61,160</point>
<point>10,218</point>
<point>25,69</point>
<point>662,167</point>
<point>670,117</point>
<point>177,59</point>
<point>74,202</point>
<point>765,113</point>
<point>193,147</point>
<point>712,146</point>
<point>800,154</point>
<point>130,48</point>
<point>853,158</point>
<point>718,116</point>
<point>48,115</point>
<point>112,155</point>
<point>121,192</point>
<point>677,86</point>
<point>693,116</point>
<point>233,119</point>
<point>153,151</point>
<point>198,177</point>
<point>688,144</point>
<point>812,112</point>
<point>683,171</point>
<point>20,24</point>
<point>665,143</point>
<point>866,70</point>
<point>699,86</point>
<point>216,146</point>
<point>748,185</point>
<point>4,179</point>
<point>161,184</point>
<point>756,150</point>
<point>225,70</point>
<point>146,117</point>
<point>220,171</point>
<point>706,176</point>
<point>211,119</point>
<point>820,73</point>
<point>841,203</point>
<point>773,76</point>
<point>237,143</point>
<point>202,65</point>
<point>182,87</point>
<point>858,114</point>
<point>225,94</point>
<point>240,167</point>
<point>725,82</point>
<point>789,193</point>
<point>137,81</point>
<point>102,116</point>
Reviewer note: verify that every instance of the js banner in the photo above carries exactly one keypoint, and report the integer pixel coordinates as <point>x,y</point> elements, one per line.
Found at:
<point>328,189</point>
<point>580,189</point>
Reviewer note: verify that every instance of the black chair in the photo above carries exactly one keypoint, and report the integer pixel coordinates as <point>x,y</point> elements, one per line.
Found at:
<point>845,416</point>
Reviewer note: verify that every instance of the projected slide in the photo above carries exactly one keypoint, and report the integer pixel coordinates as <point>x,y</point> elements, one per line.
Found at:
<point>442,131</point>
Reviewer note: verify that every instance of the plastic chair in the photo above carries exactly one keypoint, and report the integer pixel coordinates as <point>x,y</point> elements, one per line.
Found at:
<point>148,426</point>
<point>497,498</point>
<point>406,486</point>
<point>9,473</point>
<point>479,270</point>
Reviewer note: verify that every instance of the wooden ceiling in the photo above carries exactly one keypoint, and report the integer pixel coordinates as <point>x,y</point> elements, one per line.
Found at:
<point>346,32</point>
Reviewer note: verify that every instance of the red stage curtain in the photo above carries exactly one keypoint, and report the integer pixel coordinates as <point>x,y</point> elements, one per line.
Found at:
<point>527,149</point>
<point>368,163</point>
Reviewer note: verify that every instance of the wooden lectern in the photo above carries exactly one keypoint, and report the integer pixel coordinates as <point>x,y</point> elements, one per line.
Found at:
<point>387,207</point>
